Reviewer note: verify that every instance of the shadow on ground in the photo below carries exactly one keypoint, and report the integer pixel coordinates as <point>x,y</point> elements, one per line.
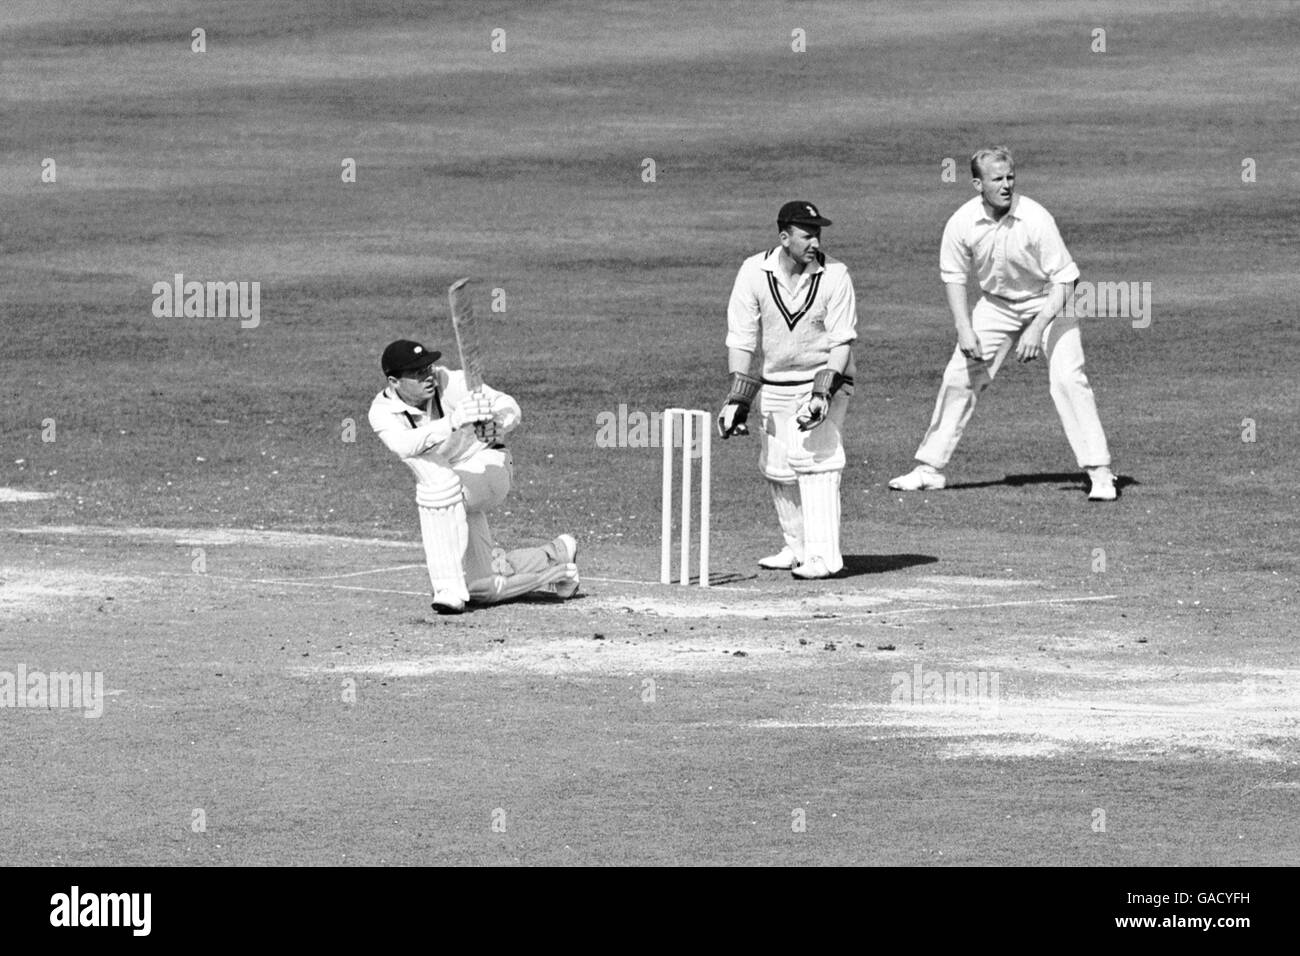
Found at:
<point>1069,480</point>
<point>856,564</point>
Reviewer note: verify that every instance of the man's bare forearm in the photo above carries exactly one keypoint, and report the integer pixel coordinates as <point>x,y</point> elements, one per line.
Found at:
<point>1055,301</point>
<point>957,305</point>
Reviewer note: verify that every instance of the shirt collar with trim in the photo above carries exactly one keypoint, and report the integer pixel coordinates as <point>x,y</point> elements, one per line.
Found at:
<point>1012,213</point>
<point>398,405</point>
<point>773,257</point>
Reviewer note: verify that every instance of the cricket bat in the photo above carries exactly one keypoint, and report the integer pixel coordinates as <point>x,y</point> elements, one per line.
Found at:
<point>467,341</point>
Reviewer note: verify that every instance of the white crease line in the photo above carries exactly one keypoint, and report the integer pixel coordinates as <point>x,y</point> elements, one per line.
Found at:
<point>657,584</point>
<point>353,574</point>
<point>253,537</point>
<point>976,607</point>
<point>297,584</point>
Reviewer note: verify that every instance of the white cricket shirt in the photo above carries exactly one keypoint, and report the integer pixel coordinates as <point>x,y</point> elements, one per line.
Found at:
<point>793,326</point>
<point>423,437</point>
<point>1018,257</point>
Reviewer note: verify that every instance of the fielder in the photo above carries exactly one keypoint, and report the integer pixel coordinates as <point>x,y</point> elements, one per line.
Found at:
<point>1011,245</point>
<point>791,324</point>
<point>450,437</point>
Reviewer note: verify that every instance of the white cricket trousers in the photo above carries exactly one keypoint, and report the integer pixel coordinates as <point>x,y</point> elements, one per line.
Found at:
<point>998,325</point>
<point>464,564</point>
<point>803,470</point>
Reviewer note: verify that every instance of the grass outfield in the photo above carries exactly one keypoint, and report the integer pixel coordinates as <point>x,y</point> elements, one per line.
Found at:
<point>1146,650</point>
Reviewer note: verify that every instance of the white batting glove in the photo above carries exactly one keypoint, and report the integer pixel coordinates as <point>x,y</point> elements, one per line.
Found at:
<point>488,432</point>
<point>476,408</point>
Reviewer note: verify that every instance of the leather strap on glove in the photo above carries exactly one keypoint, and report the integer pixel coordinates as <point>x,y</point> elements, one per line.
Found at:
<point>744,389</point>
<point>827,382</point>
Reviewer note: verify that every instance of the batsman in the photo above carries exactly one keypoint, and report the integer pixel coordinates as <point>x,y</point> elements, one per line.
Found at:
<point>448,428</point>
<point>791,324</point>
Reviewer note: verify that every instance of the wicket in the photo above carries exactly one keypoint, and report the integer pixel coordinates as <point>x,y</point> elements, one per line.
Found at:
<point>689,418</point>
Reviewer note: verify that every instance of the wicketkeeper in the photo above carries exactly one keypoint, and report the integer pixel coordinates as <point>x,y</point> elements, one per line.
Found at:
<point>451,438</point>
<point>791,324</point>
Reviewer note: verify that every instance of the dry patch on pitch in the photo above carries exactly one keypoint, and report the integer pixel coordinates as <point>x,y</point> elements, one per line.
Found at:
<point>728,622</point>
<point>1034,709</point>
<point>1107,709</point>
<point>25,590</point>
<point>16,495</point>
<point>718,629</point>
<point>587,656</point>
<point>1096,708</point>
<point>749,603</point>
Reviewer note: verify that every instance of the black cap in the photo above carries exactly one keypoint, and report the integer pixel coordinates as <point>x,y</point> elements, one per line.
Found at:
<point>407,356</point>
<point>801,213</point>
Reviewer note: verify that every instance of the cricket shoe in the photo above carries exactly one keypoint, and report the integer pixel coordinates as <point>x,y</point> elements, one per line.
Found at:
<point>811,570</point>
<point>566,586</point>
<point>565,548</point>
<point>1103,485</point>
<point>782,561</point>
<point>448,606</point>
<point>920,478</point>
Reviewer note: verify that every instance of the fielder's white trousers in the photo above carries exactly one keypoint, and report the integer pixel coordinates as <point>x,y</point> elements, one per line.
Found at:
<point>998,325</point>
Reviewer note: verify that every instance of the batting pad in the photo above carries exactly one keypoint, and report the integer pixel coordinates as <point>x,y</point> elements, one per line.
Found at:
<point>445,533</point>
<point>790,515</point>
<point>820,494</point>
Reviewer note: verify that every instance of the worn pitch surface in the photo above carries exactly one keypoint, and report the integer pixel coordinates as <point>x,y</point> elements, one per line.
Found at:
<point>183,508</point>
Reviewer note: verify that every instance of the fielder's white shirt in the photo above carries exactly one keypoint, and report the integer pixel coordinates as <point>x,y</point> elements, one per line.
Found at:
<point>1018,257</point>
<point>423,437</point>
<point>793,326</point>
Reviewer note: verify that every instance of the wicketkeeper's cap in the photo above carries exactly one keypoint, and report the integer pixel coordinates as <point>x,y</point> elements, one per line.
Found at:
<point>801,213</point>
<point>407,356</point>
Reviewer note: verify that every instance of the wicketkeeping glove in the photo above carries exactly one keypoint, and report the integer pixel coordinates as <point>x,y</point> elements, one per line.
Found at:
<point>814,411</point>
<point>735,411</point>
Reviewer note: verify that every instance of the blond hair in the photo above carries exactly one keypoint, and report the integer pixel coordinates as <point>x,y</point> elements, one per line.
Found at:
<point>981,156</point>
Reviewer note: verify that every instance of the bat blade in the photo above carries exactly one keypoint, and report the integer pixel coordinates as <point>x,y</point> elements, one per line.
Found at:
<point>466,329</point>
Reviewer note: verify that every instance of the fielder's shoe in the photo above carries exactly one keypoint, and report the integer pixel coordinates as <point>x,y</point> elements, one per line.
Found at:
<point>783,561</point>
<point>448,606</point>
<point>920,478</point>
<point>566,548</point>
<point>566,586</point>
<point>811,569</point>
<point>1103,485</point>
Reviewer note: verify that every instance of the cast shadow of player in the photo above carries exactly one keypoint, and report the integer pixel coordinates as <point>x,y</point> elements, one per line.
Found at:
<point>854,566</point>
<point>859,564</point>
<point>1064,480</point>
